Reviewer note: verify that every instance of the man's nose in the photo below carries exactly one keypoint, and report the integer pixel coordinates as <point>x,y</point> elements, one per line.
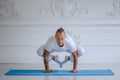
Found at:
<point>60,42</point>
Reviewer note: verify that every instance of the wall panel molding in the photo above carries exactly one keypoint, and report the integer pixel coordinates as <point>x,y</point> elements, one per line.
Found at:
<point>63,9</point>
<point>116,10</point>
<point>7,10</point>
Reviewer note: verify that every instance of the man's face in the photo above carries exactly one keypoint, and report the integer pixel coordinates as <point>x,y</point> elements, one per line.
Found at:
<point>60,38</point>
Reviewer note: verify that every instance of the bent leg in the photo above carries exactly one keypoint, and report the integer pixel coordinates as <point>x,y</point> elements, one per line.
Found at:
<point>80,52</point>
<point>40,52</point>
<point>55,58</point>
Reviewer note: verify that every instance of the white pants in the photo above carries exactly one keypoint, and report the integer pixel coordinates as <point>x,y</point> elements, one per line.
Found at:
<point>41,49</point>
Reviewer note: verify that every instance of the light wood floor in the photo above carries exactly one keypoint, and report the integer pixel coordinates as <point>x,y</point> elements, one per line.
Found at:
<point>115,67</point>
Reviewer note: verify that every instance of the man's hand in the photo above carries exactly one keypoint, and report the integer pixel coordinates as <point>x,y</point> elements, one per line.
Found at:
<point>74,70</point>
<point>48,70</point>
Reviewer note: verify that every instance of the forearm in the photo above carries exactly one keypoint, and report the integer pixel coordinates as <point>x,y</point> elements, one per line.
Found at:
<point>75,60</point>
<point>46,62</point>
<point>75,63</point>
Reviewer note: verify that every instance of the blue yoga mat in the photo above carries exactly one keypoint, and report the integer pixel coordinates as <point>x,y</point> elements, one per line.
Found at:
<point>60,73</point>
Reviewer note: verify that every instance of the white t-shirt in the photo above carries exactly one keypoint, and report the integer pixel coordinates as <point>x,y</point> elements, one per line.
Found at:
<point>52,46</point>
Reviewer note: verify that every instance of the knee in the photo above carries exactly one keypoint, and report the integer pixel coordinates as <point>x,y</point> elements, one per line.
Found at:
<point>39,52</point>
<point>81,51</point>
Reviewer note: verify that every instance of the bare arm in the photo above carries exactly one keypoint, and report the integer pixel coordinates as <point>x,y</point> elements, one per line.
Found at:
<point>46,63</point>
<point>75,56</point>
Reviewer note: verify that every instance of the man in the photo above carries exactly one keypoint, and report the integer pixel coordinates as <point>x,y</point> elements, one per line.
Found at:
<point>60,43</point>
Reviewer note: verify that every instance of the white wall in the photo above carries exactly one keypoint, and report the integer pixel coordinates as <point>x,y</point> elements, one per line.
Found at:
<point>27,24</point>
